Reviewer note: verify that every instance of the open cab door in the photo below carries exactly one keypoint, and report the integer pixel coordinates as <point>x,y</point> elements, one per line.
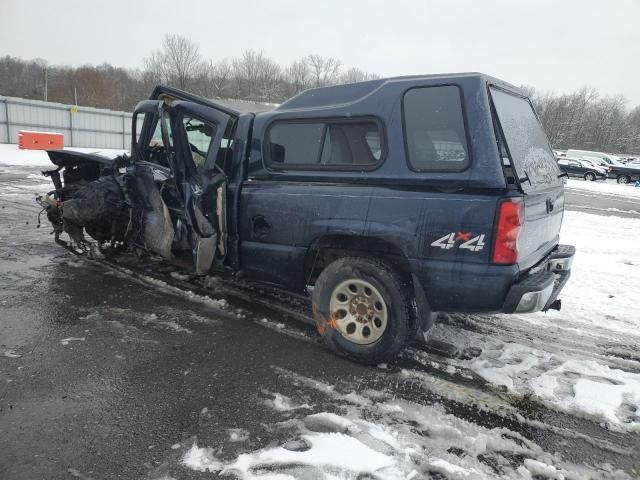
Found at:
<point>178,167</point>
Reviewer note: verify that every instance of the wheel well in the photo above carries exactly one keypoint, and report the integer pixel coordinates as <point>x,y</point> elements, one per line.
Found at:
<point>329,248</point>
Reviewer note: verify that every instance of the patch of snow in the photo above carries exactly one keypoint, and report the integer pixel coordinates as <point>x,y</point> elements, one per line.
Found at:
<point>282,403</point>
<point>329,422</point>
<point>65,341</point>
<point>10,354</point>
<point>201,460</point>
<point>275,325</point>
<point>179,276</point>
<point>542,470</point>
<point>333,450</point>
<point>439,465</point>
<point>593,389</point>
<point>579,386</point>
<point>152,318</point>
<point>514,360</point>
<point>238,435</point>
<point>219,304</point>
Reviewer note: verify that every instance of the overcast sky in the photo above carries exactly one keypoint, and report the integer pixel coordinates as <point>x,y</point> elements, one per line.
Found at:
<point>557,45</point>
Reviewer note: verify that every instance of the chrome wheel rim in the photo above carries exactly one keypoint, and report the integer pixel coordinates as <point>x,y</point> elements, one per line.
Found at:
<point>359,311</point>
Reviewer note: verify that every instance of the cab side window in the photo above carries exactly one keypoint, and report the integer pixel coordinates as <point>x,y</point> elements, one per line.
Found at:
<point>434,129</point>
<point>328,144</point>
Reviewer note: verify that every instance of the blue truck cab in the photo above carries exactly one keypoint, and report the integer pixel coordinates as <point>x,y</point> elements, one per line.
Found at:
<point>384,201</point>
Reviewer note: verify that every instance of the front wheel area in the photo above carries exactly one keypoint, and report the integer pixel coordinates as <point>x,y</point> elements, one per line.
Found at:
<point>590,177</point>
<point>364,309</point>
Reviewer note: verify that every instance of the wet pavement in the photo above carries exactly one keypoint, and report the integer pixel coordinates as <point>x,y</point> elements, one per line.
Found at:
<point>602,204</point>
<point>103,376</point>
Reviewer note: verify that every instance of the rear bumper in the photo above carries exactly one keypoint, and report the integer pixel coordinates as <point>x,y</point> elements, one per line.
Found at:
<point>540,288</point>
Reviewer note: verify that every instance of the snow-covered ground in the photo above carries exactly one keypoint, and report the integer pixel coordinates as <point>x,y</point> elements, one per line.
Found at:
<point>12,155</point>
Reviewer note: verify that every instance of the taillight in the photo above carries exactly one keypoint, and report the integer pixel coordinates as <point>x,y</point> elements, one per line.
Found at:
<point>510,221</point>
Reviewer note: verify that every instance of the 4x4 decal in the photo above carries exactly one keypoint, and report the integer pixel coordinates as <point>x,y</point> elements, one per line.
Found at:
<point>475,244</point>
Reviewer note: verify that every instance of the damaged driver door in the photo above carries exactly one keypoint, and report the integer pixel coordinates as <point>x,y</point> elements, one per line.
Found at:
<point>177,162</point>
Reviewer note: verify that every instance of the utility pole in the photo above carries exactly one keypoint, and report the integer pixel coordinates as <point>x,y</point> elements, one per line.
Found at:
<point>75,95</point>
<point>46,78</point>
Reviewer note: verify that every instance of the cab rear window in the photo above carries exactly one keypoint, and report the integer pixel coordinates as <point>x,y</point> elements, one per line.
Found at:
<point>527,144</point>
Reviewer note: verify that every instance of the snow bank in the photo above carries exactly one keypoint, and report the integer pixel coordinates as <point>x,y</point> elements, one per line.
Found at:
<point>608,187</point>
<point>11,155</point>
<point>600,305</point>
<point>602,294</point>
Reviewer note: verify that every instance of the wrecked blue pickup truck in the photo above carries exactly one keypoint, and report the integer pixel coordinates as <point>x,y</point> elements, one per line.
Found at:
<point>383,201</point>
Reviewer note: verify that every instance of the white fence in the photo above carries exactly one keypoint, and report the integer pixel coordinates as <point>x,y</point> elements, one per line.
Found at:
<point>81,126</point>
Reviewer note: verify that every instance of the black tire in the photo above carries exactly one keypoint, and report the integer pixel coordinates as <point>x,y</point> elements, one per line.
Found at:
<point>623,179</point>
<point>397,293</point>
<point>590,177</point>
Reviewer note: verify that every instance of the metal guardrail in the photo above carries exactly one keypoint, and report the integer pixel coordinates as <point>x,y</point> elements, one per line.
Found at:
<point>82,126</point>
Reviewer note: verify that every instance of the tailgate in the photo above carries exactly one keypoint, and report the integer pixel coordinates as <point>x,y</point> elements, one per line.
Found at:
<point>542,221</point>
<point>539,176</point>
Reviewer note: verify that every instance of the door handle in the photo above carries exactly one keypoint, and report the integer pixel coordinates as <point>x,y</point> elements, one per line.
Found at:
<point>550,205</point>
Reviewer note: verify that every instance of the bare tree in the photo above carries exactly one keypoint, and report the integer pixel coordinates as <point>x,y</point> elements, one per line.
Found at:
<point>176,63</point>
<point>256,76</point>
<point>584,120</point>
<point>324,70</point>
<point>353,75</point>
<point>220,73</point>
<point>298,76</point>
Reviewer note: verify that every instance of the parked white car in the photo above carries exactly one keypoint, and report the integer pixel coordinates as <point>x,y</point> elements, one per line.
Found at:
<point>604,159</point>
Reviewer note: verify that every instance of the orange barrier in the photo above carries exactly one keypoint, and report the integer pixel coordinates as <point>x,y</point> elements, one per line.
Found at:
<point>40,140</point>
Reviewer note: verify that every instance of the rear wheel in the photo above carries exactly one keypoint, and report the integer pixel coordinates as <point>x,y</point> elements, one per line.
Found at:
<point>364,309</point>
<point>624,179</point>
<point>589,177</point>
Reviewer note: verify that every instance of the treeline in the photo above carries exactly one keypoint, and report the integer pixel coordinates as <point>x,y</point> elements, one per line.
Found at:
<point>251,76</point>
<point>588,121</point>
<point>582,119</point>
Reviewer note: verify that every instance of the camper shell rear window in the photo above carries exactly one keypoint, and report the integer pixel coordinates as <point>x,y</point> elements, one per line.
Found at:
<point>526,142</point>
